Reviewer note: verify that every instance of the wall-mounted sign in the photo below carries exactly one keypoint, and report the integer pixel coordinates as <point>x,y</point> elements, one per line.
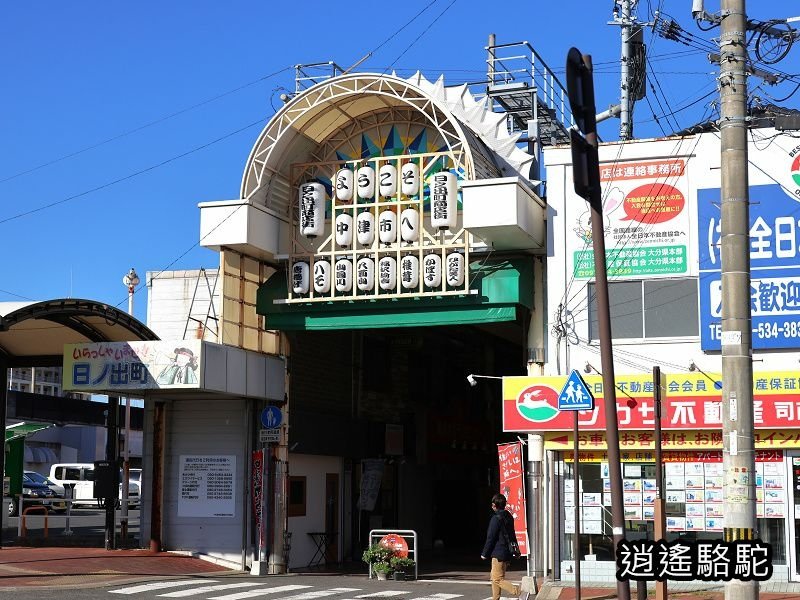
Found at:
<point>774,268</point>
<point>206,486</point>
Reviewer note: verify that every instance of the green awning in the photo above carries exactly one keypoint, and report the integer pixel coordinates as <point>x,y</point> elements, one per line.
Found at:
<point>23,429</point>
<point>503,286</point>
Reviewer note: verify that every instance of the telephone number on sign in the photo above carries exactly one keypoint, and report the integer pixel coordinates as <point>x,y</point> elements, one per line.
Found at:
<point>787,329</point>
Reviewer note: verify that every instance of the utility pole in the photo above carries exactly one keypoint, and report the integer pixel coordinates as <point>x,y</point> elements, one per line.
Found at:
<point>626,71</point>
<point>738,458</point>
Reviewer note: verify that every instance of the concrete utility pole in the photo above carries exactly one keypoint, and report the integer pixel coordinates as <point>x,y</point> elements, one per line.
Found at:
<point>626,71</point>
<point>738,459</point>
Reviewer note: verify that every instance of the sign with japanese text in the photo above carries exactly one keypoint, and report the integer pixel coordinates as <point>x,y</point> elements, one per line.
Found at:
<point>530,404</point>
<point>645,219</point>
<point>257,492</point>
<point>371,477</point>
<point>512,486</point>
<point>774,268</point>
<point>205,486</point>
<point>123,366</point>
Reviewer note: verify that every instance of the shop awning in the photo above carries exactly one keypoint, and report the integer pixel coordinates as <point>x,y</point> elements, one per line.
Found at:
<point>503,287</point>
<point>24,429</point>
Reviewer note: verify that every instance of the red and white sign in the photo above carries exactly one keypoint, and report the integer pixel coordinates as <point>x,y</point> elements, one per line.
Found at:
<point>513,488</point>
<point>692,403</point>
<point>257,479</point>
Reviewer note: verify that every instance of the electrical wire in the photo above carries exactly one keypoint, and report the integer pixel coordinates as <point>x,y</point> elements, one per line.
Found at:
<point>419,37</point>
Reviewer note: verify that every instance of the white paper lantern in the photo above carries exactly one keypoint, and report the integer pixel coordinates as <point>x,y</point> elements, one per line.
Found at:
<point>344,229</point>
<point>387,273</point>
<point>444,200</point>
<point>365,183</point>
<point>409,272</point>
<point>312,209</point>
<point>365,228</point>
<point>455,269</point>
<point>322,277</point>
<point>409,225</point>
<point>343,273</point>
<point>387,226</point>
<point>300,278</point>
<point>365,274</point>
<point>432,270</point>
<point>344,185</point>
<point>409,179</point>
<point>387,180</point>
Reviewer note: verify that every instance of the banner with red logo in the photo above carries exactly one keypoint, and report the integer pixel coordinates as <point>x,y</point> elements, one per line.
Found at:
<point>257,482</point>
<point>692,402</point>
<point>512,486</point>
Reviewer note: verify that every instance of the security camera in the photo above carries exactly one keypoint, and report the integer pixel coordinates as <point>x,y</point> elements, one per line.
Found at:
<point>587,368</point>
<point>471,380</point>
<point>692,366</point>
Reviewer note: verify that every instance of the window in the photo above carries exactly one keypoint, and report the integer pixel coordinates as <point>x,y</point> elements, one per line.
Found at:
<point>297,496</point>
<point>648,309</point>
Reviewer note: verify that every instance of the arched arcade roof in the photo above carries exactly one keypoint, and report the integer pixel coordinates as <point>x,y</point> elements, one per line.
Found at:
<point>34,334</point>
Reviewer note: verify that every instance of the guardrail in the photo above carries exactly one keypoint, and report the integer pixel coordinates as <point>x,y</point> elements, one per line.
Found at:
<point>25,506</point>
<point>375,536</point>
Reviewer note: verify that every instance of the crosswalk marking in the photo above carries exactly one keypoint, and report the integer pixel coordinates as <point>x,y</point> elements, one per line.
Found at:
<point>160,585</point>
<point>438,597</point>
<point>384,594</point>
<point>260,592</point>
<point>209,588</point>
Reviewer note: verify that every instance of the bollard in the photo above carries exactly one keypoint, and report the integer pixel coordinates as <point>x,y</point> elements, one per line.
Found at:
<point>641,590</point>
<point>69,490</point>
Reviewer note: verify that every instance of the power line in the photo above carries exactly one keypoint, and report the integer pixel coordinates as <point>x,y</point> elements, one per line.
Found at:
<point>131,175</point>
<point>419,37</point>
<point>142,127</point>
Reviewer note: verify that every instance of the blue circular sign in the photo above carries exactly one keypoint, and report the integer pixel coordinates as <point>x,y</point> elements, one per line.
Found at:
<point>271,417</point>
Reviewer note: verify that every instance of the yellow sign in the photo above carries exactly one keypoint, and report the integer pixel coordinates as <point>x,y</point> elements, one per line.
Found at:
<point>765,439</point>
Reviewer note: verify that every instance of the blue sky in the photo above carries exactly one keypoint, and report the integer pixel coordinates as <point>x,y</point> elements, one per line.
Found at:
<point>182,89</point>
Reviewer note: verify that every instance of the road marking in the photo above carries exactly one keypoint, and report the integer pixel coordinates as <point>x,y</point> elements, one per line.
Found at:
<point>209,588</point>
<point>383,594</point>
<point>160,585</point>
<point>438,597</point>
<point>275,590</point>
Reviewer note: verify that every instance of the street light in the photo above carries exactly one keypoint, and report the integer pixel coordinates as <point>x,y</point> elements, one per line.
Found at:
<point>473,379</point>
<point>131,280</point>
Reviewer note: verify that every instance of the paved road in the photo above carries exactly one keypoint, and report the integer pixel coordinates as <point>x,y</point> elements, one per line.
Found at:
<point>285,587</point>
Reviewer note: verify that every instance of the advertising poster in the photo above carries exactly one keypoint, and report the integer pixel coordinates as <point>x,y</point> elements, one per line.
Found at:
<point>205,486</point>
<point>257,492</point>
<point>371,476</point>
<point>774,268</point>
<point>646,221</point>
<point>512,486</point>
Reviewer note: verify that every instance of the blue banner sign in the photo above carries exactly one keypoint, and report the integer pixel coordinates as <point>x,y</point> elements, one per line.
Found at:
<point>774,268</point>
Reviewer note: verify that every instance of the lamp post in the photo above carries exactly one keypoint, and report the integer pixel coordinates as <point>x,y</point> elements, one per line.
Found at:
<point>131,280</point>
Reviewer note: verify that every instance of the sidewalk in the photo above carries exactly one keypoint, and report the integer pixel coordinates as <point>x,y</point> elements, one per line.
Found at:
<point>23,567</point>
<point>557,592</point>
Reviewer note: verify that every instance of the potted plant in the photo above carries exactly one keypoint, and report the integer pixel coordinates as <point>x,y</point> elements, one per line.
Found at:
<point>382,570</point>
<point>403,567</point>
<point>378,557</point>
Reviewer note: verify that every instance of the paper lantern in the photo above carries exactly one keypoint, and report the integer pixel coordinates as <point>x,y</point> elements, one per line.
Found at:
<point>432,270</point>
<point>409,179</point>
<point>312,209</point>
<point>300,278</point>
<point>343,273</point>
<point>387,180</point>
<point>409,225</point>
<point>322,277</point>
<point>409,272</point>
<point>344,229</point>
<point>365,274</point>
<point>366,183</point>
<point>455,269</point>
<point>444,200</point>
<point>387,273</point>
<point>387,226</point>
<point>344,185</point>
<point>365,228</point>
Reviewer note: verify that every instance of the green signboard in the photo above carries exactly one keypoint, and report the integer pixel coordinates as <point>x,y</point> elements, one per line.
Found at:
<point>634,262</point>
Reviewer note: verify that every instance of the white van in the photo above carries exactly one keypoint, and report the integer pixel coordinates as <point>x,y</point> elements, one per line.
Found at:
<point>81,475</point>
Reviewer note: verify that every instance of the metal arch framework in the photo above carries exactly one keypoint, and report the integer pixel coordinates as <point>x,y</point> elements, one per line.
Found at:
<point>87,318</point>
<point>316,104</point>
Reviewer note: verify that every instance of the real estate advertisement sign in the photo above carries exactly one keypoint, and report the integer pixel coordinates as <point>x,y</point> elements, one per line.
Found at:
<point>774,268</point>
<point>645,218</point>
<point>206,486</point>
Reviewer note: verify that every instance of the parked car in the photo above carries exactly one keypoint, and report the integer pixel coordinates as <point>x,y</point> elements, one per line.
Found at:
<point>81,476</point>
<point>36,491</point>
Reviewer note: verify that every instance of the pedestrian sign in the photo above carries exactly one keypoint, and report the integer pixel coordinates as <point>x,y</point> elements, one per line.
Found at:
<point>271,417</point>
<point>575,394</point>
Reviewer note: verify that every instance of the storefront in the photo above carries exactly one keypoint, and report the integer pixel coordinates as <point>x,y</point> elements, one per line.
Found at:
<point>692,456</point>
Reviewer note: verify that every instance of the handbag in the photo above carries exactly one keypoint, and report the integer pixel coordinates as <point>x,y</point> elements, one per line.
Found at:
<point>511,541</point>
